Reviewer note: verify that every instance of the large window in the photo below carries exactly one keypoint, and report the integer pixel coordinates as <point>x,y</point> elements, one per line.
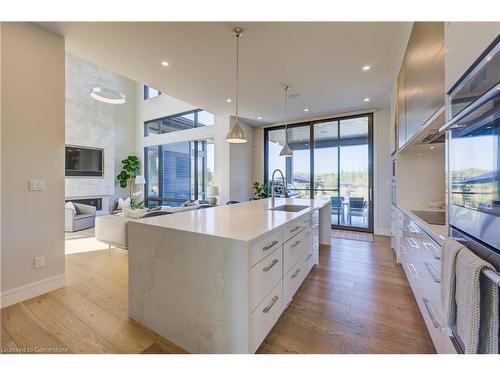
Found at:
<point>178,122</point>
<point>332,159</point>
<point>177,172</point>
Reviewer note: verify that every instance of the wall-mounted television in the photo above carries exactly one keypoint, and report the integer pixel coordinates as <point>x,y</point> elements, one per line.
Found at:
<point>84,161</point>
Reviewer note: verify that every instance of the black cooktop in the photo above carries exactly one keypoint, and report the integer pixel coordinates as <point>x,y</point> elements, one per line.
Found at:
<point>432,217</point>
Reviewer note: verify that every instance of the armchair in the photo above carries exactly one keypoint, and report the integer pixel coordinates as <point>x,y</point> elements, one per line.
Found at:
<point>82,217</point>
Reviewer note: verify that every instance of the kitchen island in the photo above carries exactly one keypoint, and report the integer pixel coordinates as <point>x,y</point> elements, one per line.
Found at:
<point>216,280</point>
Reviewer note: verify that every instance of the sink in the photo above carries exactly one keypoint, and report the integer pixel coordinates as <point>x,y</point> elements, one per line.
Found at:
<point>289,208</point>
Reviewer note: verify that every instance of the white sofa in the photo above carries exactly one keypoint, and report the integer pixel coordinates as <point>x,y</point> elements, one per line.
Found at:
<point>112,229</point>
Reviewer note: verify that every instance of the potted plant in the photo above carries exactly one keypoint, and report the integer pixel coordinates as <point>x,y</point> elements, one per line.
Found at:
<point>261,190</point>
<point>128,174</point>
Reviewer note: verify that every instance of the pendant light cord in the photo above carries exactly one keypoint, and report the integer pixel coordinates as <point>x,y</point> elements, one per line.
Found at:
<point>237,71</point>
<point>285,87</point>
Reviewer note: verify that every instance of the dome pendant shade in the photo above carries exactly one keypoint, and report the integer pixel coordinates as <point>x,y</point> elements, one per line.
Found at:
<point>286,151</point>
<point>236,134</point>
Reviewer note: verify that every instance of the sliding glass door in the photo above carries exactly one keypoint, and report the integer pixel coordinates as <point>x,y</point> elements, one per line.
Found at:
<point>332,159</point>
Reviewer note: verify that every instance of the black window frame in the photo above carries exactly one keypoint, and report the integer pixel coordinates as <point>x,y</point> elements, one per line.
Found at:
<point>161,119</point>
<point>197,194</point>
<point>311,123</point>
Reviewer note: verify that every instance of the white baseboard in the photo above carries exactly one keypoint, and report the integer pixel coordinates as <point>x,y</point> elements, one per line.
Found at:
<point>383,231</point>
<point>22,293</point>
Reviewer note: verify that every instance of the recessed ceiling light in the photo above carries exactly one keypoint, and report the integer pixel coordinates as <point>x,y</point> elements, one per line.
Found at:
<point>164,63</point>
<point>366,67</point>
<point>432,147</point>
<point>420,153</point>
<point>366,99</point>
<point>228,100</point>
<point>259,118</point>
<point>306,109</point>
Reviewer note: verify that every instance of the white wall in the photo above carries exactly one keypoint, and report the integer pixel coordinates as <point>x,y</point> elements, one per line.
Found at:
<point>382,164</point>
<point>241,166</point>
<point>382,177</point>
<point>91,123</point>
<point>32,147</point>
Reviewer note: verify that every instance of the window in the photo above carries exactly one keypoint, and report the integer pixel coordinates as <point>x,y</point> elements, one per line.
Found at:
<point>331,159</point>
<point>150,92</point>
<point>179,122</point>
<point>177,172</point>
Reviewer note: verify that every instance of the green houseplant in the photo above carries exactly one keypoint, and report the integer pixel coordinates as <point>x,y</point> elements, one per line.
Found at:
<point>261,190</point>
<point>129,173</point>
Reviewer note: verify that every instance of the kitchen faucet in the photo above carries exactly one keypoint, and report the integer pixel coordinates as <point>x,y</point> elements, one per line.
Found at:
<point>273,194</point>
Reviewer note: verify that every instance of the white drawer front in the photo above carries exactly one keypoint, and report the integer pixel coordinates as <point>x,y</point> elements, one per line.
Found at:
<point>265,246</point>
<point>308,262</point>
<point>292,282</point>
<point>432,321</point>
<point>293,250</point>
<point>307,220</point>
<point>293,228</point>
<point>265,316</point>
<point>264,276</point>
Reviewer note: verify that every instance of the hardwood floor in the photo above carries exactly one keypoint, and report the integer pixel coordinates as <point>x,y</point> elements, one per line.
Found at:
<point>356,301</point>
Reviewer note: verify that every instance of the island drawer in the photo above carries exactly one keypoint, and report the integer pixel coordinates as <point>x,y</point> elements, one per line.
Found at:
<point>265,246</point>
<point>265,316</point>
<point>264,276</point>
<point>292,281</point>
<point>293,228</point>
<point>293,250</point>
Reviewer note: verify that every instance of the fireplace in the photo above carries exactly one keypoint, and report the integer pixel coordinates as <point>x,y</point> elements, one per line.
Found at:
<point>96,202</point>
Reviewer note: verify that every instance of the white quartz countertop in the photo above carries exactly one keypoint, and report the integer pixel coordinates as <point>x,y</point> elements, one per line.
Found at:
<point>437,232</point>
<point>244,221</point>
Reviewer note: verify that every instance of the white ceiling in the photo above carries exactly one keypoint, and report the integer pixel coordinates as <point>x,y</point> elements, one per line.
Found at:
<point>321,61</point>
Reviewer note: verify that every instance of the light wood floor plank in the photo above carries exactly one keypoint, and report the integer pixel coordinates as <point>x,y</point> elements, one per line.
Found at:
<point>29,333</point>
<point>63,324</point>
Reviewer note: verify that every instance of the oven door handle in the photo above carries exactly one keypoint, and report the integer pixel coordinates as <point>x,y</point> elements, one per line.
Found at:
<point>490,94</point>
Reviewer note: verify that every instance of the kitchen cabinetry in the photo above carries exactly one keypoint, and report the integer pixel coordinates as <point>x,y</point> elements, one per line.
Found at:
<point>420,257</point>
<point>421,79</point>
<point>465,42</point>
<point>235,277</point>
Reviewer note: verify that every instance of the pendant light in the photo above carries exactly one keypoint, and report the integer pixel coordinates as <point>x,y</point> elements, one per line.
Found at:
<point>236,133</point>
<point>286,151</point>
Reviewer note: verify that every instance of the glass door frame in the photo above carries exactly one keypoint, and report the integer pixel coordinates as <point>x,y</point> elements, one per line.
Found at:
<point>371,191</point>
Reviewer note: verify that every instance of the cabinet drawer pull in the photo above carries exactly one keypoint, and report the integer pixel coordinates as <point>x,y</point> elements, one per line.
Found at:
<point>427,305</point>
<point>273,263</point>
<point>432,249</point>
<point>412,243</point>
<point>412,269</point>
<point>271,304</point>
<point>412,229</point>
<point>308,257</point>
<point>295,273</point>
<point>270,245</point>
<point>295,229</point>
<point>433,273</point>
<point>295,244</point>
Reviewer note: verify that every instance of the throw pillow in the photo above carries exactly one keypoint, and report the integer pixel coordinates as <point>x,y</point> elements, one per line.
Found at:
<point>134,214</point>
<point>70,206</point>
<point>122,203</point>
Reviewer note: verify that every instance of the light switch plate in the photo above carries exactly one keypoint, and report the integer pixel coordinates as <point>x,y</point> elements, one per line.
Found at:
<point>37,185</point>
<point>39,262</point>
